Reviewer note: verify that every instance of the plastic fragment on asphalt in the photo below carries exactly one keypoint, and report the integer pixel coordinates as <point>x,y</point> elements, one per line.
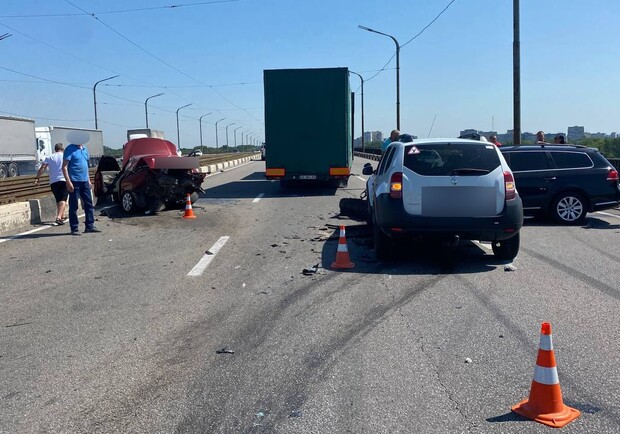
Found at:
<point>310,271</point>
<point>468,360</point>
<point>225,350</point>
<point>295,413</point>
<point>509,267</point>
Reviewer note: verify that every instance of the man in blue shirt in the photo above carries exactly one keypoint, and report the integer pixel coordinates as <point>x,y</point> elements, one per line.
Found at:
<point>75,169</point>
<point>393,137</point>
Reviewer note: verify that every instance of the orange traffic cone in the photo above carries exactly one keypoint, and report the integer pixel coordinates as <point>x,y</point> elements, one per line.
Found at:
<point>545,404</point>
<point>189,212</point>
<point>342,255</point>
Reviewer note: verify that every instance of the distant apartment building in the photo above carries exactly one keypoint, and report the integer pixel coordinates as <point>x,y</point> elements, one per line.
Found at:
<point>596,135</point>
<point>575,134</point>
<point>373,136</point>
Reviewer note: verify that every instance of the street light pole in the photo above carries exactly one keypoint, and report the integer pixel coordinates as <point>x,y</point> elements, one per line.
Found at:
<point>235,134</point>
<point>178,133</point>
<point>200,122</point>
<point>227,132</point>
<point>146,109</point>
<point>397,71</point>
<point>95,97</point>
<point>217,145</point>
<point>516,66</point>
<point>362,79</point>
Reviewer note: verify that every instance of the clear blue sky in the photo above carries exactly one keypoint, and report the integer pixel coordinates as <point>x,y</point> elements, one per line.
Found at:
<point>212,54</point>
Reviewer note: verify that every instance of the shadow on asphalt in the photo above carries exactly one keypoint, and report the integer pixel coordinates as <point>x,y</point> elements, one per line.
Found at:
<point>591,222</point>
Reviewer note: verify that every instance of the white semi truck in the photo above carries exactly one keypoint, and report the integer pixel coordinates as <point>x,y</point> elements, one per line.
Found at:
<point>47,137</point>
<point>18,147</point>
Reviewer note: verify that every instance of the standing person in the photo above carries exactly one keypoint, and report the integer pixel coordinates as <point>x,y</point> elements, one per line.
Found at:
<point>493,139</point>
<point>559,140</point>
<point>58,183</point>
<point>393,137</point>
<point>540,138</point>
<point>75,169</point>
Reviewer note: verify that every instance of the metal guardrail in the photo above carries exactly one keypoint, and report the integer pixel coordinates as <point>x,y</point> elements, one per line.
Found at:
<point>22,188</point>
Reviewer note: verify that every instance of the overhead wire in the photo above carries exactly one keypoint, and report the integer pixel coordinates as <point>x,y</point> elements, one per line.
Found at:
<point>158,58</point>
<point>119,11</point>
<point>412,39</point>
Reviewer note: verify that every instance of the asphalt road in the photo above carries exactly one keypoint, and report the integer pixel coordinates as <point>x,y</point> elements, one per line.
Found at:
<point>108,332</point>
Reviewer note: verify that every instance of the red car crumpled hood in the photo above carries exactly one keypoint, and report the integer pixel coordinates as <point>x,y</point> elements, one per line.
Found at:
<point>157,154</point>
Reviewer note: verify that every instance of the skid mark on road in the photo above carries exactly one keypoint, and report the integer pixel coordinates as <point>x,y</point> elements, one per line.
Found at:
<point>204,262</point>
<point>609,290</point>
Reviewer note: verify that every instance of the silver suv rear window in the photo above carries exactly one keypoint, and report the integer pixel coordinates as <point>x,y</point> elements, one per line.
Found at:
<point>446,159</point>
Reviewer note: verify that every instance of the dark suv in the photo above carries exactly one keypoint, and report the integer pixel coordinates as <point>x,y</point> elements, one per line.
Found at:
<point>563,182</point>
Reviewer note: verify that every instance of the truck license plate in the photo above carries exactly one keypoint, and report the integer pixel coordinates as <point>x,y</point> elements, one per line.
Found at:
<point>307,176</point>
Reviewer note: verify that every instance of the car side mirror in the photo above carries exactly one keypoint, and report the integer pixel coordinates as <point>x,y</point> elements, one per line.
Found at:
<point>368,170</point>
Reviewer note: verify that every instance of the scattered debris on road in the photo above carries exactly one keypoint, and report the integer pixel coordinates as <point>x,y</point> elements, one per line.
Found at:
<point>295,413</point>
<point>509,267</point>
<point>225,350</point>
<point>311,271</point>
<point>468,360</point>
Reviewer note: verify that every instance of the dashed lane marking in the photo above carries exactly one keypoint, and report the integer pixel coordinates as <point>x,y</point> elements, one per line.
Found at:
<point>484,244</point>
<point>204,262</point>
<point>607,214</point>
<point>258,197</point>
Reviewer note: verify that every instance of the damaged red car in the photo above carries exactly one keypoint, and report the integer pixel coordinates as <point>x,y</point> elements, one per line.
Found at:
<point>152,176</point>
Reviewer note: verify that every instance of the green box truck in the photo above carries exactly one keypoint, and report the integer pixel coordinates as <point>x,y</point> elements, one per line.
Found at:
<point>308,125</point>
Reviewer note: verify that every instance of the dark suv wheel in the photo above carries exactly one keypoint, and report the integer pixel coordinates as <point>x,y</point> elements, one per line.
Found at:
<point>507,249</point>
<point>569,208</point>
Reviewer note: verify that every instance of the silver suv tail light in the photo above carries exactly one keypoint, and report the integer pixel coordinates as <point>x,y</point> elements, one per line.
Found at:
<point>396,185</point>
<point>509,182</point>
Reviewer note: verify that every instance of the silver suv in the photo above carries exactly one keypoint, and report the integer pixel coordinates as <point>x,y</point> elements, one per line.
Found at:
<point>446,189</point>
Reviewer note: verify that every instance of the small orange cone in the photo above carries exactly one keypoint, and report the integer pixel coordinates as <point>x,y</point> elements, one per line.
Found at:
<point>545,404</point>
<point>342,255</point>
<point>189,212</point>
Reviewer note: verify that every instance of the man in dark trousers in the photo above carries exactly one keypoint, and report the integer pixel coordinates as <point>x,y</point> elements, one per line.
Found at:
<point>75,169</point>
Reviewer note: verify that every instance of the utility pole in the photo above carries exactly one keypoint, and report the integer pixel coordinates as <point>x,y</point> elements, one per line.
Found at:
<point>516,75</point>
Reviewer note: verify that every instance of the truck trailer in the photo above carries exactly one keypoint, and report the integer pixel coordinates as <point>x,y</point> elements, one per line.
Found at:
<point>18,147</point>
<point>47,137</point>
<point>308,125</point>
<point>144,132</point>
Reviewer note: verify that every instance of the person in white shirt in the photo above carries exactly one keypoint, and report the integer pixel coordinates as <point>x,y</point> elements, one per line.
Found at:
<point>58,183</point>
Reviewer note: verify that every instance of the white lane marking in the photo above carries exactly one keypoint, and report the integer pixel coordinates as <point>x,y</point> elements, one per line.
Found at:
<point>32,231</point>
<point>204,262</point>
<point>359,177</point>
<point>258,197</point>
<point>13,237</point>
<point>607,214</point>
<point>485,245</point>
